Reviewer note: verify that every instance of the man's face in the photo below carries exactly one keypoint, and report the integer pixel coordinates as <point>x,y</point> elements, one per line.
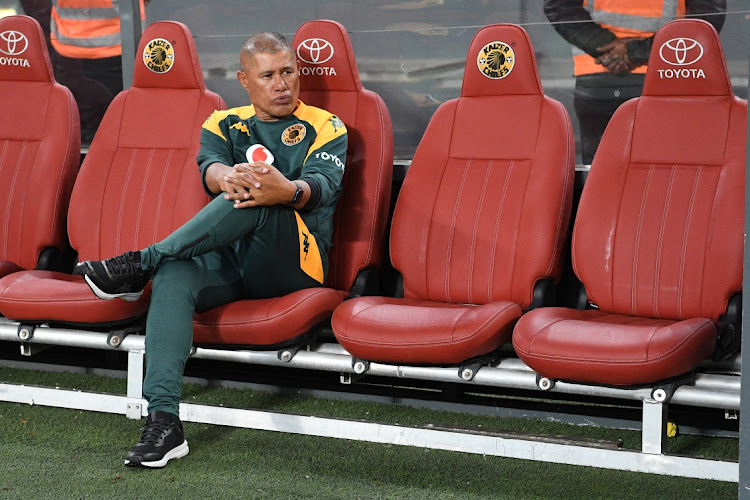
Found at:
<point>272,82</point>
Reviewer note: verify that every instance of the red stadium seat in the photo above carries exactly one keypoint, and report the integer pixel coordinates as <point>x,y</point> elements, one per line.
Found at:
<point>480,219</point>
<point>138,182</point>
<point>329,79</point>
<point>658,238</point>
<point>40,147</point>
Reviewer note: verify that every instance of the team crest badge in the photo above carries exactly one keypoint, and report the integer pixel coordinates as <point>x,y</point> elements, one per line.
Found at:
<point>293,134</point>
<point>496,60</point>
<point>158,56</point>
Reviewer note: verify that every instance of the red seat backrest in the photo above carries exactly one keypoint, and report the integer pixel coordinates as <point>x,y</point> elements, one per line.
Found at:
<point>659,231</point>
<point>484,208</point>
<point>40,145</point>
<point>140,180</point>
<point>329,79</point>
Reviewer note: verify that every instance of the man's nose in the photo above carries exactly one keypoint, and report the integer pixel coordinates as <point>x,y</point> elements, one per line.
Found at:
<point>279,83</point>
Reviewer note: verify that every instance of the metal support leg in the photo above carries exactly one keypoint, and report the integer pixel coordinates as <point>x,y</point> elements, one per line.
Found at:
<point>135,408</point>
<point>654,431</point>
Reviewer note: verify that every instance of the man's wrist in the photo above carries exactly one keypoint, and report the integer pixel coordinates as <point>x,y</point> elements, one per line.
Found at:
<point>297,196</point>
<point>213,175</point>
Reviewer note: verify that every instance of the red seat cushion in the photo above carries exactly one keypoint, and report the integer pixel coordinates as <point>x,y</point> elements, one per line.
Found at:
<point>481,216</point>
<point>361,215</point>
<point>266,322</point>
<point>604,348</point>
<point>422,331</point>
<point>27,296</point>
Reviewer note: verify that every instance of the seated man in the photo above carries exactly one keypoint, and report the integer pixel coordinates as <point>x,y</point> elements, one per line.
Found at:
<point>279,164</point>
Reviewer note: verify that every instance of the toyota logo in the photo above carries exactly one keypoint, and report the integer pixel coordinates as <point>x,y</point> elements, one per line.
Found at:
<point>14,43</point>
<point>315,51</point>
<point>681,51</point>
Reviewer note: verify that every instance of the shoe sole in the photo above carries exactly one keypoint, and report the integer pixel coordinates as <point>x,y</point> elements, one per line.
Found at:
<point>176,452</point>
<point>128,297</point>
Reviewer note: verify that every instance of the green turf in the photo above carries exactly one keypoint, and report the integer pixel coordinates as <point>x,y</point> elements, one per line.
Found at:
<point>374,412</point>
<point>57,453</point>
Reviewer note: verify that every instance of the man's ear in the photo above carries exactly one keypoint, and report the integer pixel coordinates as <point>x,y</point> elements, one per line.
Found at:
<point>242,77</point>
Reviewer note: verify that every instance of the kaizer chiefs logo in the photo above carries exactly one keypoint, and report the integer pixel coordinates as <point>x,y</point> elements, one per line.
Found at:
<point>158,56</point>
<point>496,60</point>
<point>293,134</point>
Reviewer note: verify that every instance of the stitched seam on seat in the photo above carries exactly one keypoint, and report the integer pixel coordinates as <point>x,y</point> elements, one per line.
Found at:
<point>4,250</point>
<point>636,250</point>
<point>516,237</point>
<point>144,183</point>
<point>22,209</point>
<point>559,232</point>
<point>349,322</point>
<point>179,183</point>
<point>497,230</point>
<point>531,342</point>
<point>616,221</point>
<point>624,362</point>
<point>378,189</point>
<point>487,322</point>
<point>475,232</point>
<point>167,166</point>
<point>44,300</point>
<point>449,248</point>
<point>10,195</point>
<point>58,202</point>
<point>277,315</point>
<point>686,233</point>
<point>122,201</point>
<point>429,234</point>
<point>58,206</point>
<point>434,342</point>
<point>660,243</point>
<point>709,238</point>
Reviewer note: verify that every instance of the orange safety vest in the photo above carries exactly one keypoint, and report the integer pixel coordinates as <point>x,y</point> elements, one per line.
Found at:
<point>626,18</point>
<point>87,29</point>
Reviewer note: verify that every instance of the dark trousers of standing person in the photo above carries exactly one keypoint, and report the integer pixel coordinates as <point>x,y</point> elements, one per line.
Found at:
<point>595,99</point>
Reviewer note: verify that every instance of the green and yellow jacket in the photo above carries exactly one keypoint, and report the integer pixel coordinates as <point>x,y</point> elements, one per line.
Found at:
<point>310,145</point>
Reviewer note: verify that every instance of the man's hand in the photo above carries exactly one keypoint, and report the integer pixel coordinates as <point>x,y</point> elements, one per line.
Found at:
<point>615,56</point>
<point>236,182</point>
<point>257,184</point>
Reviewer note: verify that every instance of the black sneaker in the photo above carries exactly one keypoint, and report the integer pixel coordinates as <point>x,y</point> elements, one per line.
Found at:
<point>120,276</point>
<point>163,439</point>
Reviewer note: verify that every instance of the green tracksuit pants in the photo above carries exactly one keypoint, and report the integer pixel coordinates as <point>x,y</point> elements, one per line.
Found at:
<point>220,255</point>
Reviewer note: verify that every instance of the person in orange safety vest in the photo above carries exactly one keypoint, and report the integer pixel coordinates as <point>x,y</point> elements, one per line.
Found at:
<point>611,42</point>
<point>87,29</point>
<point>85,51</point>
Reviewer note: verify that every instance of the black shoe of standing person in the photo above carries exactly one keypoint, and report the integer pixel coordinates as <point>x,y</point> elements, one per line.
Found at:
<point>118,277</point>
<point>163,439</point>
